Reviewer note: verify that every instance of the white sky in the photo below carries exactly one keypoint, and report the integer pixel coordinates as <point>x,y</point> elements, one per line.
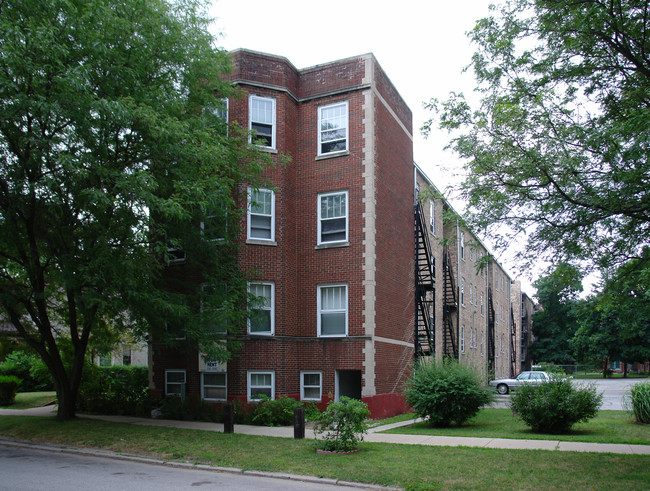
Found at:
<point>421,45</point>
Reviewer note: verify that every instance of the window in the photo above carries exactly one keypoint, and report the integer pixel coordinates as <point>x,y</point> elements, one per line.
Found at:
<point>262,120</point>
<point>471,294</point>
<point>310,386</point>
<point>332,217</point>
<point>462,291</point>
<point>333,128</point>
<point>175,253</point>
<point>482,313</point>
<point>213,386</point>
<point>261,308</point>
<point>215,221</point>
<point>333,310</point>
<point>261,214</point>
<point>462,245</point>
<point>175,383</point>
<point>105,360</point>
<point>462,339</point>
<point>259,384</point>
<point>432,220</point>
<point>212,298</point>
<point>126,356</point>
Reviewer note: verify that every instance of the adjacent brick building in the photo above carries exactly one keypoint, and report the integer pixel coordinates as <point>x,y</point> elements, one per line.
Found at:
<point>332,238</point>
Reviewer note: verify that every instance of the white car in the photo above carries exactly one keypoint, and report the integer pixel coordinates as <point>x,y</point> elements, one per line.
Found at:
<point>505,385</point>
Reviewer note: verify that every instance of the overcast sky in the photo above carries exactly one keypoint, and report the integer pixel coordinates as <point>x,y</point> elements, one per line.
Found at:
<point>421,45</point>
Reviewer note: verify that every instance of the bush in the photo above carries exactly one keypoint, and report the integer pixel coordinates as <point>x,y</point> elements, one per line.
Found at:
<point>122,390</point>
<point>30,369</point>
<point>555,406</point>
<point>278,412</point>
<point>446,392</point>
<point>191,408</point>
<point>342,425</point>
<point>8,387</point>
<point>637,400</point>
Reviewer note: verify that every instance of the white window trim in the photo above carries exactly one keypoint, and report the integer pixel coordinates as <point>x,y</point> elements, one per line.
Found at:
<point>203,386</point>
<point>260,372</point>
<point>432,218</point>
<point>302,385</point>
<point>347,129</point>
<point>273,145</point>
<point>462,291</point>
<point>318,307</point>
<point>347,217</point>
<point>272,309</point>
<point>183,384</point>
<point>462,245</point>
<point>249,221</point>
<point>462,339</point>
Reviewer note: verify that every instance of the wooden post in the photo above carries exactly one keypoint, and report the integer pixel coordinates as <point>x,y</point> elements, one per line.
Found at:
<point>228,418</point>
<point>299,423</point>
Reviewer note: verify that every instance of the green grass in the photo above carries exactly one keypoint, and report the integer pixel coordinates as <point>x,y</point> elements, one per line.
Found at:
<point>27,400</point>
<point>408,466</point>
<point>607,427</point>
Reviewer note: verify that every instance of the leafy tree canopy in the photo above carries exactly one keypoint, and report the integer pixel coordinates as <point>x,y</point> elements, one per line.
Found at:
<point>111,150</point>
<point>554,324</point>
<point>558,148</point>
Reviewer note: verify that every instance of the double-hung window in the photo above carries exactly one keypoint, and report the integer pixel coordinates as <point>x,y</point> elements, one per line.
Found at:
<point>175,383</point>
<point>261,384</point>
<point>214,386</point>
<point>261,214</point>
<point>212,313</point>
<point>332,310</point>
<point>432,218</point>
<point>261,308</point>
<point>311,384</point>
<point>262,120</point>
<point>333,217</point>
<point>333,128</point>
<point>215,222</point>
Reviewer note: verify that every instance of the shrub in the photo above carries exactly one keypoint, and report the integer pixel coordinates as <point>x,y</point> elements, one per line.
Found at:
<point>277,412</point>
<point>30,369</point>
<point>637,400</point>
<point>342,425</point>
<point>446,392</point>
<point>191,408</point>
<point>8,387</point>
<point>555,406</point>
<point>122,390</point>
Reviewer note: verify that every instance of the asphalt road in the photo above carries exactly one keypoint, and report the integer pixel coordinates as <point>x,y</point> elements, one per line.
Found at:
<point>27,469</point>
<point>613,391</point>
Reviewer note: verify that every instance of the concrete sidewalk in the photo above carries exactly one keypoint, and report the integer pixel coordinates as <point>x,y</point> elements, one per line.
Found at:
<point>374,434</point>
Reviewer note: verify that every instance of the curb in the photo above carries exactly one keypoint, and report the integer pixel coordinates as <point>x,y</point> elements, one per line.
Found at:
<point>94,452</point>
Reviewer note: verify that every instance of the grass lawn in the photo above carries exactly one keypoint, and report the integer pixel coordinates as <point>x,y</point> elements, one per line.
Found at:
<point>26,400</point>
<point>408,466</point>
<point>607,427</point>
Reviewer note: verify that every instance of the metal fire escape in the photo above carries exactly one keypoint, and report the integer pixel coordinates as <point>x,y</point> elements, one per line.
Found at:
<point>491,349</point>
<point>450,307</point>
<point>513,344</point>
<point>424,289</point>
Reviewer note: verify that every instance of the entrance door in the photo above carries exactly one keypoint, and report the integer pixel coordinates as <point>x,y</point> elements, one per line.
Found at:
<point>348,383</point>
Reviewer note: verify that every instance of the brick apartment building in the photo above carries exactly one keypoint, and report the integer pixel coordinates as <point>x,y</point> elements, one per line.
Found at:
<point>351,295</point>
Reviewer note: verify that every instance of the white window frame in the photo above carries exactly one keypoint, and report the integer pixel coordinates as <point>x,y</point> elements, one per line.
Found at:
<point>321,312</point>
<point>204,385</point>
<point>249,225</point>
<point>320,240</point>
<point>462,291</point>
<point>432,217</point>
<point>303,386</point>
<point>182,384</point>
<point>270,308</point>
<point>462,245</point>
<point>251,122</point>
<point>347,128</point>
<point>249,385</point>
<point>462,338</point>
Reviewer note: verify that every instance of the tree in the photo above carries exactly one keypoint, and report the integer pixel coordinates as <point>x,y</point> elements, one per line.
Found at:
<point>554,324</point>
<point>617,323</point>
<point>558,149</point>
<point>112,151</point>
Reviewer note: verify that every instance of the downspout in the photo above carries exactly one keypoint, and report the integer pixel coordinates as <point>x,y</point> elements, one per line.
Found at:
<point>458,286</point>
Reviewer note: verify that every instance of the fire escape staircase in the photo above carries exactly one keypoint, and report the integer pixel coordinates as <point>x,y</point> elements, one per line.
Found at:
<point>491,349</point>
<point>424,289</point>
<point>450,307</point>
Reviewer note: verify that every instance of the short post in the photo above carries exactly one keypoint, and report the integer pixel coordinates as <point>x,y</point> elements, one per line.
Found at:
<point>299,423</point>
<point>228,418</point>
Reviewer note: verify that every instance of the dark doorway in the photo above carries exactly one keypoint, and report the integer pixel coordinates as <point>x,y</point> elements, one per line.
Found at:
<point>348,383</point>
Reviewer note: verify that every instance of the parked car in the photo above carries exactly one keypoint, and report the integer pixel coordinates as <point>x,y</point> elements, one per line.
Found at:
<point>505,385</point>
